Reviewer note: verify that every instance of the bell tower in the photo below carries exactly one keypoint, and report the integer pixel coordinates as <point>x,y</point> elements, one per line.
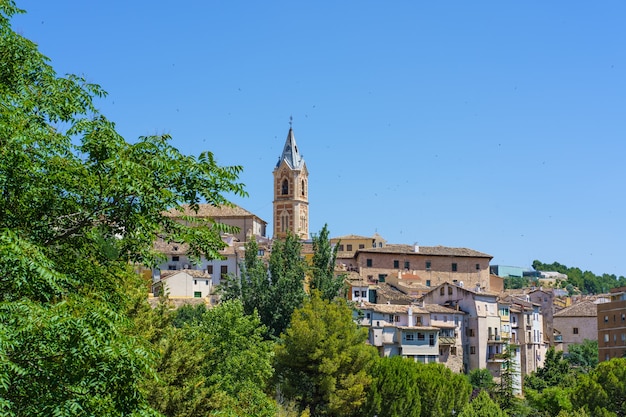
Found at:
<point>291,192</point>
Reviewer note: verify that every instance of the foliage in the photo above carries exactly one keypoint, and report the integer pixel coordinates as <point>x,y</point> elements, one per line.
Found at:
<point>79,205</point>
<point>218,365</point>
<point>516,282</point>
<point>442,391</point>
<point>274,291</point>
<point>555,372</point>
<point>506,389</point>
<point>551,400</point>
<point>583,356</point>
<point>394,391</point>
<point>603,388</point>
<point>586,281</point>
<point>188,314</point>
<point>481,379</point>
<point>482,406</point>
<point>323,276</point>
<point>322,360</point>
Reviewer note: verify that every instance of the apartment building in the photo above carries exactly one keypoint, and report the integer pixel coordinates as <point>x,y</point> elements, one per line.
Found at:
<point>612,326</point>
<point>575,323</point>
<point>425,333</point>
<point>433,265</point>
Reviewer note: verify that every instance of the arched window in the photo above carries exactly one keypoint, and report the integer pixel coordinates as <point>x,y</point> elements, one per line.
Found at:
<point>303,189</point>
<point>285,188</point>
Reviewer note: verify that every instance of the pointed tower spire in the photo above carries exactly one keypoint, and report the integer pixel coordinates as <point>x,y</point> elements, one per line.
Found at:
<point>290,154</point>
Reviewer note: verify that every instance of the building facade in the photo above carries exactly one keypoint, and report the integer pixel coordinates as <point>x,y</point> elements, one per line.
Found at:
<point>612,326</point>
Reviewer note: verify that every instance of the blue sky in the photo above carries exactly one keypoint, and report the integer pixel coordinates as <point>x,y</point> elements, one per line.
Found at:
<point>496,126</point>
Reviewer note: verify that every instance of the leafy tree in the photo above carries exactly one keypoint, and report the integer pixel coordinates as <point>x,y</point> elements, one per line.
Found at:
<point>322,360</point>
<point>273,290</point>
<point>188,314</point>
<point>604,388</point>
<point>583,355</point>
<point>442,392</point>
<point>79,206</point>
<point>323,276</point>
<point>219,365</point>
<point>482,406</point>
<point>481,379</point>
<point>555,372</point>
<point>394,391</point>
<point>551,400</point>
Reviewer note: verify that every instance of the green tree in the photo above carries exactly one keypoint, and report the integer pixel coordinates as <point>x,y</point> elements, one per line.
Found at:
<point>583,356</point>
<point>555,372</point>
<point>481,379</point>
<point>273,290</point>
<point>394,391</point>
<point>443,392</point>
<point>323,277</point>
<point>322,361</point>
<point>482,406</point>
<point>602,388</point>
<point>219,365</point>
<point>79,206</point>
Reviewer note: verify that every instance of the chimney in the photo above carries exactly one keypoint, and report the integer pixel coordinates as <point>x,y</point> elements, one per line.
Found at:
<point>416,247</point>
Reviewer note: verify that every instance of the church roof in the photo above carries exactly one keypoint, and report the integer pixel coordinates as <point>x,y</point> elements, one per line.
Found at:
<point>290,154</point>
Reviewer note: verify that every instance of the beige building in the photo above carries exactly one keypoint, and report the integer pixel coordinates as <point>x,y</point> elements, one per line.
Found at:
<point>433,265</point>
<point>575,323</point>
<point>248,224</point>
<point>481,340</point>
<point>424,333</point>
<point>186,283</point>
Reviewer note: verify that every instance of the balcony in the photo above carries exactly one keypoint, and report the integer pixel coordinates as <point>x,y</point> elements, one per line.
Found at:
<point>558,338</point>
<point>495,339</point>
<point>447,340</point>
<point>495,357</point>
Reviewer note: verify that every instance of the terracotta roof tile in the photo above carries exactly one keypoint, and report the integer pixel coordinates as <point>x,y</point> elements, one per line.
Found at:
<point>586,308</point>
<point>428,250</point>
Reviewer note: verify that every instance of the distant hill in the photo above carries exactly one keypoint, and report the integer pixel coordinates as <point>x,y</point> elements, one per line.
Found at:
<point>585,281</point>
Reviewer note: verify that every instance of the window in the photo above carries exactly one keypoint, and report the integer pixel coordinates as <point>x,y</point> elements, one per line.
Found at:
<point>428,265</point>
<point>407,265</point>
<point>368,263</point>
<point>356,294</point>
<point>206,282</point>
<point>409,336</point>
<point>261,252</point>
<point>428,283</point>
<point>224,269</point>
<point>381,277</point>
<point>454,267</point>
<point>606,337</point>
<point>285,187</point>
<point>431,339</point>
<point>477,267</point>
<point>420,336</point>
<point>175,258</point>
<point>368,315</point>
<point>472,350</point>
<point>195,282</point>
<point>171,267</point>
<point>340,248</point>
<point>623,316</point>
<point>363,294</point>
<point>303,188</point>
<point>349,248</point>
<point>418,321</point>
<point>469,332</point>
<point>396,264</point>
<point>197,294</point>
<point>453,350</point>
<point>390,318</point>
<point>361,246</point>
<point>606,319</point>
<point>449,290</point>
<point>209,269</point>
<point>442,291</point>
